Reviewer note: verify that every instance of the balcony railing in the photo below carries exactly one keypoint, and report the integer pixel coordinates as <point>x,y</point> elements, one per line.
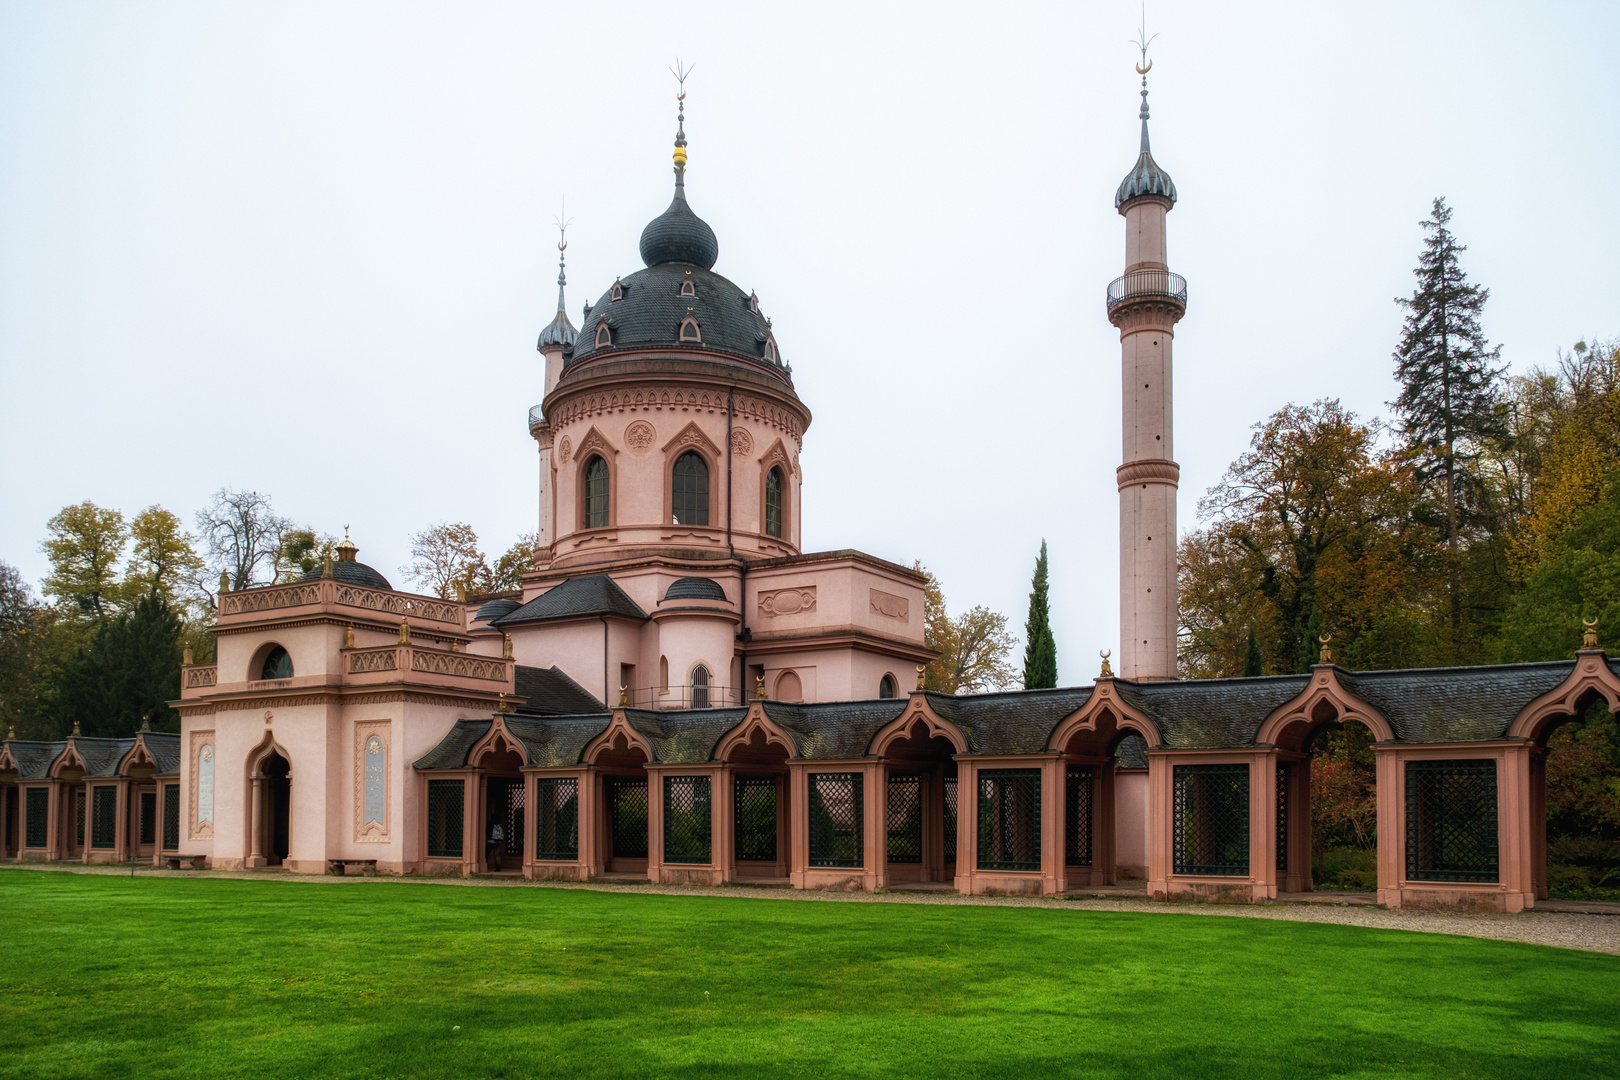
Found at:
<point>682,697</point>
<point>1147,285</point>
<point>537,416</point>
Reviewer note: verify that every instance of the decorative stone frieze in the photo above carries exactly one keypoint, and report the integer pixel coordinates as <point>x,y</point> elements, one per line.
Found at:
<point>787,601</point>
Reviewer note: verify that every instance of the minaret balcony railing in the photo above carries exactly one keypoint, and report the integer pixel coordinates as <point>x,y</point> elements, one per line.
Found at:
<point>1159,285</point>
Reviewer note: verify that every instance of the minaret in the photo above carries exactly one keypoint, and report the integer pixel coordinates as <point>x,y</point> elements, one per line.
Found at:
<point>1146,303</point>
<point>555,340</point>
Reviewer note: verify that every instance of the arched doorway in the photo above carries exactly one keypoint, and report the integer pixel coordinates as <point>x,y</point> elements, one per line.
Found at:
<point>277,777</point>
<point>1098,809</point>
<point>920,806</point>
<point>501,828</point>
<point>759,808</point>
<point>621,835</point>
<point>1574,769</point>
<point>1326,803</point>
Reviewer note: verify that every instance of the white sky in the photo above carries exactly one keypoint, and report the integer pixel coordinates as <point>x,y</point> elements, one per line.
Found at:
<point>307,248</point>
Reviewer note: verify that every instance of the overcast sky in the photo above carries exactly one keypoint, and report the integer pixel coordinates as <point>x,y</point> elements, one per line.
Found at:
<point>307,249</point>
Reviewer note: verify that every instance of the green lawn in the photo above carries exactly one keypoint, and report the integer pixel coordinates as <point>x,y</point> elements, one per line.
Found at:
<point>164,977</point>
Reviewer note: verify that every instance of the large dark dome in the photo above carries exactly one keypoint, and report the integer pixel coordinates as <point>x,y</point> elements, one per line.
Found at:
<point>355,573</point>
<point>678,235</point>
<point>651,308</point>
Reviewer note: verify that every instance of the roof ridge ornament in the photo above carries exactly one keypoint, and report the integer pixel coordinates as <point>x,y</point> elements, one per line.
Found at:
<point>1589,638</point>
<point>1107,671</point>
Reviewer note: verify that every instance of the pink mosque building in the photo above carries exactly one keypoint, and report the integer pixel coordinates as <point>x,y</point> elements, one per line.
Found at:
<point>681,694</point>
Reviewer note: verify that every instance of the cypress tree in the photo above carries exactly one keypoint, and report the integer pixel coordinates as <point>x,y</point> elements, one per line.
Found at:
<point>1040,650</point>
<point>1252,661</point>
<point>1449,380</point>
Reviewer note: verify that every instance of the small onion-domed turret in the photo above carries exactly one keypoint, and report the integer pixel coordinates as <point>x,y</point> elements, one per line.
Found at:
<point>1146,178</point>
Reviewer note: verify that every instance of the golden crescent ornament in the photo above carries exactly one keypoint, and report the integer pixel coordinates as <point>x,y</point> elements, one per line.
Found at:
<point>1140,70</point>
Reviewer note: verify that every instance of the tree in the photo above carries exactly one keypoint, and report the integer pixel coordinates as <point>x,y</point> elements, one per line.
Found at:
<point>445,556</point>
<point>1040,649</point>
<point>163,560</point>
<point>509,569</point>
<point>126,675</point>
<point>1450,384</point>
<point>1253,663</point>
<point>21,619</point>
<point>85,545</point>
<point>243,538</point>
<point>973,648</point>
<point>302,550</point>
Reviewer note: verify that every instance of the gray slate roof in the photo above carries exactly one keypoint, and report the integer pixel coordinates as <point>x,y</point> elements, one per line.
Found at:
<point>556,740</point>
<point>650,311</point>
<point>164,746</point>
<point>1211,712</point>
<point>34,759</point>
<point>101,756</point>
<point>1455,704</point>
<point>834,730</point>
<point>1013,722</point>
<point>695,588</point>
<point>576,598</point>
<point>451,753</point>
<point>354,573</point>
<point>490,610</point>
<point>550,692</point>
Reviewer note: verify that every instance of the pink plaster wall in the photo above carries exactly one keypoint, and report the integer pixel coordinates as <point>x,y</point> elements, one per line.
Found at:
<point>1131,822</point>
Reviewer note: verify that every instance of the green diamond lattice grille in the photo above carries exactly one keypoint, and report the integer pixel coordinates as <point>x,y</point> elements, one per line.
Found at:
<point>446,799</point>
<point>1283,774</point>
<point>148,817</point>
<point>627,811</point>
<point>755,818</point>
<point>688,819</point>
<point>905,819</point>
<point>1010,819</point>
<point>1077,807</point>
<point>950,819</point>
<point>1451,821</point>
<point>1211,831</point>
<point>37,816</point>
<point>104,818</point>
<point>171,817</point>
<point>556,818</point>
<point>836,817</point>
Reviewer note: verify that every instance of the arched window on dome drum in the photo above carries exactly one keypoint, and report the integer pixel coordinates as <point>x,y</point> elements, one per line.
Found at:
<point>689,499</point>
<point>687,288</point>
<point>277,665</point>
<point>773,503</point>
<point>886,687</point>
<point>596,493</point>
<point>604,335</point>
<point>689,330</point>
<point>700,687</point>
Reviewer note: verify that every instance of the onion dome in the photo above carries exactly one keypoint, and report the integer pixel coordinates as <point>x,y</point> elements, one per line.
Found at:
<point>1146,178</point>
<point>678,235</point>
<point>695,588</point>
<point>346,568</point>
<point>559,332</point>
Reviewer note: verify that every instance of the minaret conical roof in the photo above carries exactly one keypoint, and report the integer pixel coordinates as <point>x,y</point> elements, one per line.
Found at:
<point>1147,178</point>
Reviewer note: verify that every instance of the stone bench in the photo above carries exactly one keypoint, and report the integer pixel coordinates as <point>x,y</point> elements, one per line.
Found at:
<point>176,862</point>
<point>340,867</point>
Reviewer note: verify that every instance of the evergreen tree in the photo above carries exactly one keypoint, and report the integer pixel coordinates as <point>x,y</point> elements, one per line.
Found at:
<point>1040,649</point>
<point>1252,662</point>
<point>1450,383</point>
<point>126,675</point>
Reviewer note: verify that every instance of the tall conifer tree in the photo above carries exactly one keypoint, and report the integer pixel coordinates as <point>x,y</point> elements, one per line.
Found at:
<point>1450,382</point>
<point>1040,649</point>
<point>1253,663</point>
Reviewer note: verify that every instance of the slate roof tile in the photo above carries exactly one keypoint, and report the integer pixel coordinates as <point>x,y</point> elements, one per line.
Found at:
<point>576,598</point>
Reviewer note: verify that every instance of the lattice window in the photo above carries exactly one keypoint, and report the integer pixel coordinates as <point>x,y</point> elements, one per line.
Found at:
<point>950,819</point>
<point>514,819</point>
<point>78,817</point>
<point>1451,821</point>
<point>773,503</point>
<point>1010,819</point>
<point>689,498</point>
<point>836,817</point>
<point>37,815</point>
<point>446,800</point>
<point>148,831</point>
<point>1077,814</point>
<point>627,813</point>
<point>905,819</point>
<point>104,818</point>
<point>688,817</point>
<point>755,818</point>
<point>1284,773</point>
<point>1211,829</point>
<point>596,493</point>
<point>171,817</point>
<point>556,818</point>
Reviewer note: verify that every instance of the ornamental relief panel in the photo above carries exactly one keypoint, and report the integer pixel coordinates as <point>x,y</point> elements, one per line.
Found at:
<point>201,799</point>
<point>395,604</point>
<point>787,601</point>
<point>202,676</point>
<point>362,663</point>
<point>373,746</point>
<point>459,664</point>
<point>268,599</point>
<point>640,436</point>
<point>890,606</point>
<point>742,443</point>
<point>565,450</point>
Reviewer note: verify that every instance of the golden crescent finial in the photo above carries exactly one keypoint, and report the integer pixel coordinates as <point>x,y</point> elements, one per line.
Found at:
<point>1105,653</point>
<point>1140,70</point>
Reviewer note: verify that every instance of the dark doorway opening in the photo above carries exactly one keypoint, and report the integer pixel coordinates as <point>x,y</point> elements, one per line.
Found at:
<point>278,809</point>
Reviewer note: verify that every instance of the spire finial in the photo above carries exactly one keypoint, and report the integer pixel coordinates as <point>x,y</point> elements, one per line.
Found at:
<point>1142,68</point>
<point>563,221</point>
<point>680,71</point>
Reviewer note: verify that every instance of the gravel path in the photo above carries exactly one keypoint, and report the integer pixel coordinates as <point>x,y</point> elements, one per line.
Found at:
<point>1593,933</point>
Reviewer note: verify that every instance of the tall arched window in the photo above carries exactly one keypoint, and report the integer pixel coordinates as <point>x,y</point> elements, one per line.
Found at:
<point>700,687</point>
<point>689,500</point>
<point>773,502</point>
<point>886,687</point>
<point>596,493</point>
<point>277,664</point>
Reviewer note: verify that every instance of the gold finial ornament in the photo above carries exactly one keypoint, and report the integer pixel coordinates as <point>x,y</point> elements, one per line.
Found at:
<point>185,656</point>
<point>759,687</point>
<point>75,727</point>
<point>680,71</point>
<point>1589,637</point>
<point>1107,671</point>
<point>500,706</point>
<point>455,646</point>
<point>404,631</point>
<point>506,646</point>
<point>461,592</point>
<point>1327,648</point>
<point>224,582</point>
<point>922,671</point>
<point>624,695</point>
<point>348,636</point>
<point>326,564</point>
<point>146,725</point>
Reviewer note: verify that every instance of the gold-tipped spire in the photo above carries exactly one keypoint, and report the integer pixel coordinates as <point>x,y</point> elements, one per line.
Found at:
<point>346,551</point>
<point>680,71</point>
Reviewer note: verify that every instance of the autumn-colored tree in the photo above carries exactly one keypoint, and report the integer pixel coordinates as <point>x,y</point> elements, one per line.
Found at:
<point>507,573</point>
<point>85,545</point>
<point>445,557</point>
<point>163,560</point>
<point>973,648</point>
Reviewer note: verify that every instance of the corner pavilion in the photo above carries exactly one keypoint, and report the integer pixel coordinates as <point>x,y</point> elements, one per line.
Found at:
<point>678,693</point>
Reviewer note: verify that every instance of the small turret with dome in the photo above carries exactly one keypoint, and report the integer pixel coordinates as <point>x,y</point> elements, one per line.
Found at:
<point>678,301</point>
<point>1147,178</point>
<point>347,568</point>
<point>560,332</point>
